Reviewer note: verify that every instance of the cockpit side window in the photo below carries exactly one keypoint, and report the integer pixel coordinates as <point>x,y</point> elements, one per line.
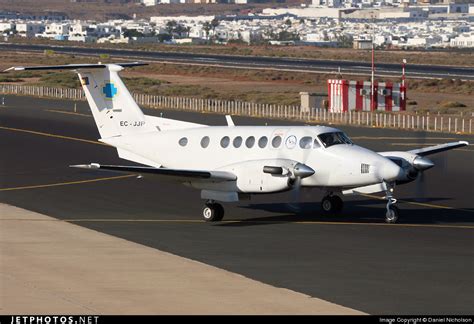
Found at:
<point>316,144</point>
<point>305,142</point>
<point>334,138</point>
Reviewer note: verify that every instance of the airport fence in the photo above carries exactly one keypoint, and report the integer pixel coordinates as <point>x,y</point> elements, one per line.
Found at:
<point>397,120</point>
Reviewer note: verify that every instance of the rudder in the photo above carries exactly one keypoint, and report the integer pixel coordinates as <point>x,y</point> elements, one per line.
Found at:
<point>115,111</point>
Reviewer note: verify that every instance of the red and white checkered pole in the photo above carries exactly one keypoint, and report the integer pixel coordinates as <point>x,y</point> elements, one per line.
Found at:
<point>372,94</point>
<point>403,72</point>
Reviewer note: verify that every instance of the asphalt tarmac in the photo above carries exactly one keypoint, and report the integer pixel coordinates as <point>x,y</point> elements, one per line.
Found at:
<point>422,265</point>
<point>261,62</point>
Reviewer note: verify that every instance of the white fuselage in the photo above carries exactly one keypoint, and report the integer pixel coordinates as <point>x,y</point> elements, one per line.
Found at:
<point>337,166</point>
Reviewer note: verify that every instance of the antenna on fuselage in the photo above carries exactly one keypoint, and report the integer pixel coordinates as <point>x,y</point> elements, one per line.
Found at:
<point>229,120</point>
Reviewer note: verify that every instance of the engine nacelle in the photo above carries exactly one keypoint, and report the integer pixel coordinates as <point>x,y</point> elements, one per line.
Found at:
<point>411,163</point>
<point>251,177</point>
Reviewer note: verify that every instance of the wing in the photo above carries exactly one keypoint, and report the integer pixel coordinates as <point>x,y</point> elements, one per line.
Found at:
<point>71,66</point>
<point>438,148</point>
<point>180,175</point>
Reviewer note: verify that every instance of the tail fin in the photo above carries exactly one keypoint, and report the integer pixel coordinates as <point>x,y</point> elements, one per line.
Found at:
<point>115,111</point>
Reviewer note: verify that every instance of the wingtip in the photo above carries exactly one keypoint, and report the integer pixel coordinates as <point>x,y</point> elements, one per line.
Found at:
<point>464,142</point>
<point>9,69</point>
<point>86,166</point>
<point>14,68</point>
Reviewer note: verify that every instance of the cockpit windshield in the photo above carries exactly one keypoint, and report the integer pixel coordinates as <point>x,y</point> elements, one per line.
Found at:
<point>334,138</point>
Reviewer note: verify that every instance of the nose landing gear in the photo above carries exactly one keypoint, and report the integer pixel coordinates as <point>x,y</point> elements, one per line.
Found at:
<point>392,212</point>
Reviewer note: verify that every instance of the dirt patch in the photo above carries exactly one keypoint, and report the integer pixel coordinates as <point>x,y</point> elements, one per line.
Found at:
<point>262,86</point>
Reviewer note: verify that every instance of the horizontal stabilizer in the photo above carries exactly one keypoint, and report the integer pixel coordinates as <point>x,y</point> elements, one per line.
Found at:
<point>438,148</point>
<point>179,174</point>
<point>71,66</point>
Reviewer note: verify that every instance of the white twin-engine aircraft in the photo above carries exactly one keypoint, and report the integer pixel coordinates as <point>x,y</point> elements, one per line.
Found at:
<point>228,163</point>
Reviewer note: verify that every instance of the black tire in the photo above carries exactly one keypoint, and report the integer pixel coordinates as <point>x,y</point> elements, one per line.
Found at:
<point>327,205</point>
<point>220,212</point>
<point>392,214</point>
<point>338,203</point>
<point>213,212</point>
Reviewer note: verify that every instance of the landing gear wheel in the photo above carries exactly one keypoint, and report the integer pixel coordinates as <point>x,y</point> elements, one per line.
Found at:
<point>391,214</point>
<point>331,204</point>
<point>213,212</point>
<point>327,204</point>
<point>338,203</point>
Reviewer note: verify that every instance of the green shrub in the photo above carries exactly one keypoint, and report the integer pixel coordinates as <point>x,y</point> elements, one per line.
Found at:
<point>62,80</point>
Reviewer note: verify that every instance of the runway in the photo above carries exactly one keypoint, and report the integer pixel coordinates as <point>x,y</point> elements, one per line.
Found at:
<point>422,265</point>
<point>261,62</point>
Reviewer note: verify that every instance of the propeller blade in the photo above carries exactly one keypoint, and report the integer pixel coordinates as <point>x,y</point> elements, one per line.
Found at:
<point>295,196</point>
<point>420,187</point>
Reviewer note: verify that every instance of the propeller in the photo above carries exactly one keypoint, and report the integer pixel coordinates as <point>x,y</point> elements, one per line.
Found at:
<point>421,185</point>
<point>300,171</point>
<point>297,170</point>
<point>295,174</point>
<point>421,164</point>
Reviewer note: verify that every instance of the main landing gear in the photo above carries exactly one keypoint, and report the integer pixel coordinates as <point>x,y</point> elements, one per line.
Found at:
<point>332,204</point>
<point>392,212</point>
<point>212,211</point>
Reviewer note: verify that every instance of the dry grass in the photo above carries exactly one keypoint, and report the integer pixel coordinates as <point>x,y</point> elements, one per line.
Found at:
<point>102,11</point>
<point>233,84</point>
<point>457,57</point>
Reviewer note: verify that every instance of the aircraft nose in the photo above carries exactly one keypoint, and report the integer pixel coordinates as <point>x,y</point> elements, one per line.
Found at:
<point>389,171</point>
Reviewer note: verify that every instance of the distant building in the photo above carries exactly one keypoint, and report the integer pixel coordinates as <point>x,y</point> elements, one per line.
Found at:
<point>149,2</point>
<point>464,41</point>
<point>6,26</point>
<point>30,29</point>
<point>362,44</point>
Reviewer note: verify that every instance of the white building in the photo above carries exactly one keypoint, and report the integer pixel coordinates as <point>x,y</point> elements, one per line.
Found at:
<point>464,40</point>
<point>29,29</point>
<point>149,3</point>
<point>6,26</point>
<point>58,31</point>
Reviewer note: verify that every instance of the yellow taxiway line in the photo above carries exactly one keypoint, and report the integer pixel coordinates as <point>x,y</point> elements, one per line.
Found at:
<point>53,135</point>
<point>419,204</point>
<point>243,221</point>
<point>67,112</point>
<point>68,183</point>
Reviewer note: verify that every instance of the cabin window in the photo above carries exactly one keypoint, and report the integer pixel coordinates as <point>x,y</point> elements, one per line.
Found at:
<point>183,141</point>
<point>305,142</point>
<point>205,141</point>
<point>250,142</point>
<point>276,141</point>
<point>237,142</point>
<point>262,142</point>
<point>225,141</point>
<point>316,144</point>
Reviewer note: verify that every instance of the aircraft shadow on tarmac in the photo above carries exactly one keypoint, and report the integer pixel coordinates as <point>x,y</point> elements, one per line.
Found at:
<point>362,211</point>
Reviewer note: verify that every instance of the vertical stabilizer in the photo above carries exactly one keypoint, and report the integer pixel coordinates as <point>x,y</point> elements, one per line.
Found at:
<point>115,111</point>
<point>113,107</point>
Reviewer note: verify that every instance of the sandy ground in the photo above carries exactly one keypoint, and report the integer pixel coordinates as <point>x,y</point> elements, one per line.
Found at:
<point>229,84</point>
<point>48,266</point>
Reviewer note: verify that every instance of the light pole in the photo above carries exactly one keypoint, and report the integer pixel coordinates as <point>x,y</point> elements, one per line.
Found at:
<point>403,89</point>
<point>403,71</point>
<point>372,82</point>
<point>372,94</point>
